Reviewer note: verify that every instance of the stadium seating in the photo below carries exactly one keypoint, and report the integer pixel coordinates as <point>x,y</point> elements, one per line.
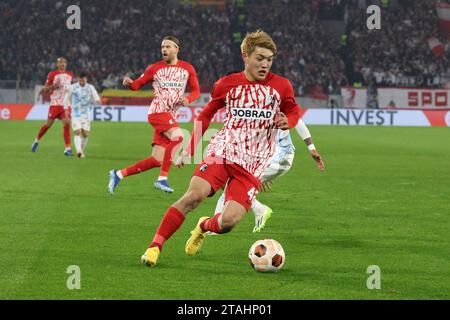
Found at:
<point>113,42</point>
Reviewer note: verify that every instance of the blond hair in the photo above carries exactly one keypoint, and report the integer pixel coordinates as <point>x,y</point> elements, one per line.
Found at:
<point>257,39</point>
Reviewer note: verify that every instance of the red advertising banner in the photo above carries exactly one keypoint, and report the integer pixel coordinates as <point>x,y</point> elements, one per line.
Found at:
<point>398,98</point>
<point>14,111</point>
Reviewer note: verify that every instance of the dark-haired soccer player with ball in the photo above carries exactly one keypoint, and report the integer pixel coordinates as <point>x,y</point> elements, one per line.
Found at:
<point>170,77</point>
<point>258,104</point>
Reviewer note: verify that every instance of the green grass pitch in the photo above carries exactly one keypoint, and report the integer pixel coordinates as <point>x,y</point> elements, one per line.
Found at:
<point>384,200</point>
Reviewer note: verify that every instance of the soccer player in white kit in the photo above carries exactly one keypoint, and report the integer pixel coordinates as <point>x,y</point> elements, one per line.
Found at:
<point>82,96</point>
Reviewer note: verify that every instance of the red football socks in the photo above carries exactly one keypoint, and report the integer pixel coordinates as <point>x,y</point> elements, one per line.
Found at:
<point>67,135</point>
<point>171,149</point>
<point>141,166</point>
<point>66,131</point>
<point>212,224</point>
<point>42,131</point>
<point>170,223</point>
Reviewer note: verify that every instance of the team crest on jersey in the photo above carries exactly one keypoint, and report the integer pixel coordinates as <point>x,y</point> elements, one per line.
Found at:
<point>203,167</point>
<point>272,100</point>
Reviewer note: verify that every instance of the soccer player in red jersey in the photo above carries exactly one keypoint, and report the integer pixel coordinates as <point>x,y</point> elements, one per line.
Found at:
<point>170,77</point>
<point>57,83</point>
<point>258,103</point>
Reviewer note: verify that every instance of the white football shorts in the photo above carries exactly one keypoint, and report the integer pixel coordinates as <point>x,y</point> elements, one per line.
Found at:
<point>81,123</point>
<point>277,168</point>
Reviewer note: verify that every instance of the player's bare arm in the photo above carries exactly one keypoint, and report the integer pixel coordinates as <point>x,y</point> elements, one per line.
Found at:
<point>315,154</point>
<point>137,84</point>
<point>182,159</point>
<point>183,102</point>
<point>50,88</point>
<point>265,186</point>
<point>127,81</point>
<point>281,121</point>
<point>306,136</point>
<point>201,125</point>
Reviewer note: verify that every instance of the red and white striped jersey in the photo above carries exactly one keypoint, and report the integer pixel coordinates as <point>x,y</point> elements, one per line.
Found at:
<point>64,80</point>
<point>249,132</point>
<point>169,84</point>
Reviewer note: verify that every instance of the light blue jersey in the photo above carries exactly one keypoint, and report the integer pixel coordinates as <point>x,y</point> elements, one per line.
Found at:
<point>282,159</point>
<point>283,146</point>
<point>82,98</point>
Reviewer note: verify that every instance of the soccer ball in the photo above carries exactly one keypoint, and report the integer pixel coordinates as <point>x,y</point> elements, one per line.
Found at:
<point>267,256</point>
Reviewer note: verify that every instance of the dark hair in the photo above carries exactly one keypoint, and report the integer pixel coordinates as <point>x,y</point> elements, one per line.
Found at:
<point>174,39</point>
<point>82,75</point>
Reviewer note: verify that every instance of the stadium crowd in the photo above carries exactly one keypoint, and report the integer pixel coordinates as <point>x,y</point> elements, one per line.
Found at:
<point>399,53</point>
<point>308,53</point>
<point>115,40</point>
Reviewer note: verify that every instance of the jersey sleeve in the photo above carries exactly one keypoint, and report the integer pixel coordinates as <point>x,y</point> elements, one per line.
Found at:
<point>288,105</point>
<point>94,94</point>
<point>194,86</point>
<point>68,97</point>
<point>50,79</point>
<point>145,78</point>
<point>201,124</point>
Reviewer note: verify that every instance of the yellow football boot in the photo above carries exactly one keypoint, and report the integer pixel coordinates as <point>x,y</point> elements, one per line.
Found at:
<point>151,256</point>
<point>195,242</point>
